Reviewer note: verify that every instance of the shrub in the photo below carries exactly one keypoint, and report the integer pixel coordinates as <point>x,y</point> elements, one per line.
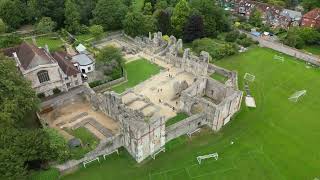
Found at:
<point>41,95</point>
<point>232,36</point>
<point>217,50</point>
<point>56,91</point>
<point>9,41</point>
<point>95,83</point>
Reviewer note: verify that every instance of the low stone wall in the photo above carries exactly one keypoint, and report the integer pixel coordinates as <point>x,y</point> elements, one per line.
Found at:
<point>231,75</point>
<point>109,84</point>
<point>185,126</point>
<point>106,146</point>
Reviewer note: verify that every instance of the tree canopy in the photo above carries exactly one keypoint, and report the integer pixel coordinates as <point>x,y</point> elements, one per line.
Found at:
<point>45,25</point>
<point>72,16</point>
<point>180,17</point>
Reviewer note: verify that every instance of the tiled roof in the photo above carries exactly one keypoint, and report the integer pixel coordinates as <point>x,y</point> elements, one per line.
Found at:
<point>65,63</point>
<point>31,56</point>
<point>314,14</point>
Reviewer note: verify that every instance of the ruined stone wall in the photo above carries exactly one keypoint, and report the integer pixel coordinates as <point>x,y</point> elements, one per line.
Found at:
<point>106,146</point>
<point>185,126</point>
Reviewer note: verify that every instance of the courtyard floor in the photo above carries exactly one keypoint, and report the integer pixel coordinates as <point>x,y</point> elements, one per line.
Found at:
<point>277,140</point>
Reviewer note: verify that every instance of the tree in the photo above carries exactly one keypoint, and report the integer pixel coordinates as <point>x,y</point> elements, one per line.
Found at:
<point>215,19</point>
<point>96,31</point>
<point>137,24</point>
<point>12,13</point>
<point>47,8</point>
<point>86,9</point>
<point>58,145</point>
<point>72,16</point>
<point>111,62</point>
<point>180,17</point>
<point>194,28</point>
<point>45,25</point>
<point>163,21</point>
<point>20,148</point>
<point>147,9</point>
<point>161,5</point>
<point>232,36</point>
<point>2,26</point>
<point>255,18</point>
<point>310,4</point>
<point>109,14</point>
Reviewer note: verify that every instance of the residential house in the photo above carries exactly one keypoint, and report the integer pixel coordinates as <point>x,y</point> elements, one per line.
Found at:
<point>71,74</point>
<point>311,19</point>
<point>273,15</point>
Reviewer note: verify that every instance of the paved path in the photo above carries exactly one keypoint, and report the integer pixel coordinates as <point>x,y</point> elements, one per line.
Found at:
<point>313,59</point>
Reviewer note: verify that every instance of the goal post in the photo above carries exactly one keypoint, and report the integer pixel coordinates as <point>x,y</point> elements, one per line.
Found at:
<point>277,57</point>
<point>297,95</point>
<point>213,155</point>
<point>249,77</point>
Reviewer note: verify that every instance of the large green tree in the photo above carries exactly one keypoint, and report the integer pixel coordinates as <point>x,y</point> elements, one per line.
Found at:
<point>2,26</point>
<point>194,28</point>
<point>109,14</point>
<point>72,16</point>
<point>12,13</point>
<point>47,8</point>
<point>180,17</point>
<point>163,21</point>
<point>137,24</point>
<point>45,25</point>
<point>255,18</point>
<point>215,19</point>
<point>310,4</point>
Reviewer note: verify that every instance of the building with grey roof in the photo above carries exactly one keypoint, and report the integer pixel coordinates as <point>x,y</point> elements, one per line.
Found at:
<point>85,62</point>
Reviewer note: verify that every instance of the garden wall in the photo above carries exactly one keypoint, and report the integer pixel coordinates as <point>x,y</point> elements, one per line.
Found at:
<point>183,127</point>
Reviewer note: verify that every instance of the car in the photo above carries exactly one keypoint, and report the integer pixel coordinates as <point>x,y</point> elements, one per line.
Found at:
<point>84,76</point>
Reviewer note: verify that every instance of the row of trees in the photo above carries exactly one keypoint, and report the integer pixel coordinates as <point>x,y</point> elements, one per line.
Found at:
<point>199,18</point>
<point>22,148</point>
<point>299,37</point>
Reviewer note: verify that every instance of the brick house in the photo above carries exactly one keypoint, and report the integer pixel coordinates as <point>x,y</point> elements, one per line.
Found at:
<point>311,19</point>
<point>273,15</point>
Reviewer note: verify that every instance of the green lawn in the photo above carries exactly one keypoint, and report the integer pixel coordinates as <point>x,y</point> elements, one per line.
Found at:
<point>315,49</point>
<point>277,140</point>
<point>89,142</point>
<point>177,118</point>
<point>54,43</point>
<point>219,77</point>
<point>51,174</point>
<point>137,72</point>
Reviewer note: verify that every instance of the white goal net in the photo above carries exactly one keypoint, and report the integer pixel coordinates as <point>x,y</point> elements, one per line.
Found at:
<point>280,58</point>
<point>249,77</point>
<point>297,95</point>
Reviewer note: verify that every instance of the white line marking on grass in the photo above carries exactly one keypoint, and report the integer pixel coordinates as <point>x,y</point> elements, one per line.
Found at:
<point>218,171</point>
<point>186,169</point>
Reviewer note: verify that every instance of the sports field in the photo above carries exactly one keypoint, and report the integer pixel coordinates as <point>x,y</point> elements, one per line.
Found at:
<point>277,140</point>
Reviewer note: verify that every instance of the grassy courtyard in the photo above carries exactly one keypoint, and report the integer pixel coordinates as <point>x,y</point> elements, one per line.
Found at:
<point>137,72</point>
<point>54,43</point>
<point>177,118</point>
<point>219,77</point>
<point>277,140</point>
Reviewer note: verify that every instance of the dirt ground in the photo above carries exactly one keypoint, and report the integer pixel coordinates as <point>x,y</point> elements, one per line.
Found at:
<point>73,113</point>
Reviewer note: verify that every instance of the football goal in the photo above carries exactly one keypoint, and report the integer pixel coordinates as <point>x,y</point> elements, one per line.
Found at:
<point>297,95</point>
<point>280,58</point>
<point>249,77</point>
<point>213,155</point>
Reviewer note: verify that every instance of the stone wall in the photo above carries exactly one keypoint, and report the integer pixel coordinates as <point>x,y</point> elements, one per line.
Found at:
<point>187,125</point>
<point>106,146</point>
